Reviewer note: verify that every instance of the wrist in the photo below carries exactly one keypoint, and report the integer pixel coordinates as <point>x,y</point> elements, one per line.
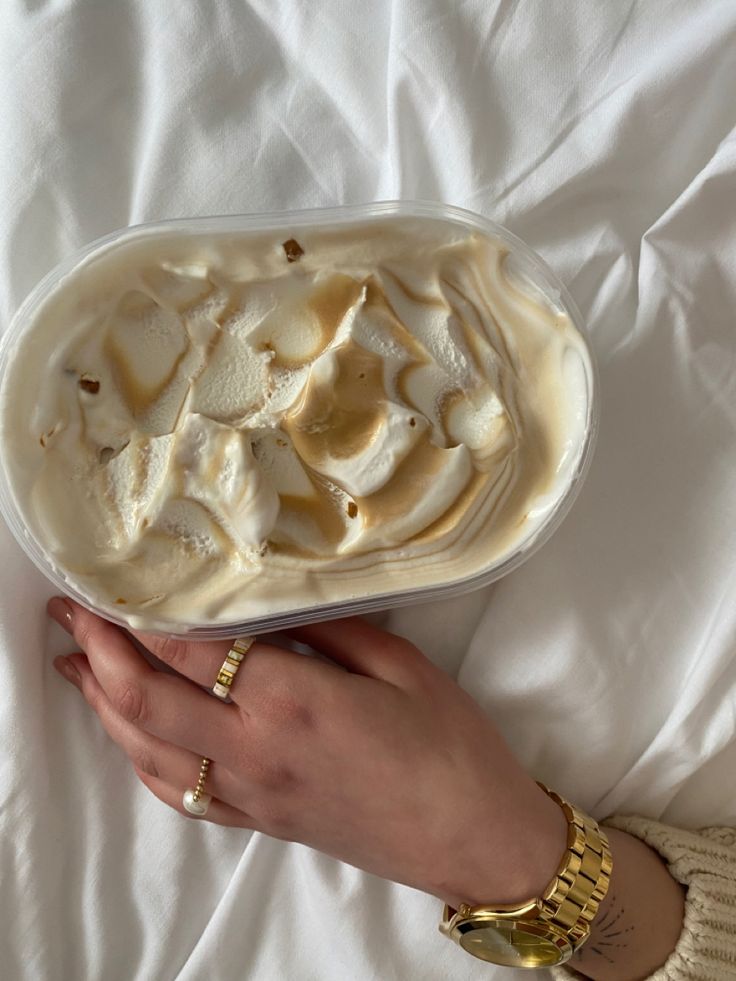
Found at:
<point>509,862</point>
<point>640,920</point>
<point>551,898</point>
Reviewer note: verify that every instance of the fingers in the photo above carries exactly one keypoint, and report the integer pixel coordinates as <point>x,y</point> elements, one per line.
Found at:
<point>364,649</point>
<point>148,753</point>
<point>165,769</point>
<point>165,706</point>
<point>353,643</point>
<point>275,692</point>
<point>218,812</point>
<point>197,660</point>
<point>266,673</point>
<point>272,684</point>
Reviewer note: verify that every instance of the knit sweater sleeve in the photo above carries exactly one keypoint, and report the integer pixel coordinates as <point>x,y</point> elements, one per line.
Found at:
<point>705,863</point>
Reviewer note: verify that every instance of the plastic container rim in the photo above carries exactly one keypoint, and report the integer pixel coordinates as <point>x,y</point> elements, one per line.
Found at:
<point>553,290</point>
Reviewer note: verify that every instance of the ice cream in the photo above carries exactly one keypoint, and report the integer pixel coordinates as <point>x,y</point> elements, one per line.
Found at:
<point>209,427</point>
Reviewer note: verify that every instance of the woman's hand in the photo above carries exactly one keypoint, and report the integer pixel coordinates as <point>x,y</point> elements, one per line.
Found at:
<point>374,756</point>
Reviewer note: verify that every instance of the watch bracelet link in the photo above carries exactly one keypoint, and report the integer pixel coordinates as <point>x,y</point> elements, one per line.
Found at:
<point>571,901</point>
<point>572,898</point>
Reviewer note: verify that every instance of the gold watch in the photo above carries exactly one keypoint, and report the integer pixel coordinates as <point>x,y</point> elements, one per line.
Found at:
<point>548,930</point>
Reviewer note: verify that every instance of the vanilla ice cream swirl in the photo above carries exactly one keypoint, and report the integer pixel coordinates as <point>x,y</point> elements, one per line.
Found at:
<point>204,428</point>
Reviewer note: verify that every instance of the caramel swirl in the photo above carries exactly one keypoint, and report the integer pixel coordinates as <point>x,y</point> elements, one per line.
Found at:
<point>221,427</point>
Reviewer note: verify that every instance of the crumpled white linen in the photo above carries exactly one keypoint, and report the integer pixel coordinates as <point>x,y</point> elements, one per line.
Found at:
<point>604,135</point>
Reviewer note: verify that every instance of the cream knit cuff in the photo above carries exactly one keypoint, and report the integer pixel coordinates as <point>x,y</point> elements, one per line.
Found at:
<point>705,862</point>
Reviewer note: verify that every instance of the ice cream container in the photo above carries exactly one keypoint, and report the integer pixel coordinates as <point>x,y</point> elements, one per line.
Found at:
<point>239,424</point>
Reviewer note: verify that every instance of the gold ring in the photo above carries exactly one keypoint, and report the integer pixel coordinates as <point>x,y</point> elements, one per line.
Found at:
<point>196,801</point>
<point>230,665</point>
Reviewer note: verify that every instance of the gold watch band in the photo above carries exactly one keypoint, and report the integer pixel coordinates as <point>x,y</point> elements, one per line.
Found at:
<point>572,898</point>
<point>548,929</point>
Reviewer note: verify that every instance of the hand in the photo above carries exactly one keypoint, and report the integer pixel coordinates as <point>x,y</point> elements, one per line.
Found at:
<point>375,756</point>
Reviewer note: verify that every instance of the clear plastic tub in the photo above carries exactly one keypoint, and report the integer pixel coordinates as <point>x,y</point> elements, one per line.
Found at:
<point>522,266</point>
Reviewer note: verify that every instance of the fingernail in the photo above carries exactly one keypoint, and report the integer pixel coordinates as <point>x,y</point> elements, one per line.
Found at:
<point>62,612</point>
<point>67,670</point>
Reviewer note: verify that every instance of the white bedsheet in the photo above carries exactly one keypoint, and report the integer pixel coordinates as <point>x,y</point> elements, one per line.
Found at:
<point>603,134</point>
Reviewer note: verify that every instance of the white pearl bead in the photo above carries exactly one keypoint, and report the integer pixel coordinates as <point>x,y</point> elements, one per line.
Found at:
<point>197,807</point>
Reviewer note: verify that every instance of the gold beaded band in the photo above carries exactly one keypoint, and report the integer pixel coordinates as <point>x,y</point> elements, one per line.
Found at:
<point>199,789</point>
<point>230,665</point>
<point>197,801</point>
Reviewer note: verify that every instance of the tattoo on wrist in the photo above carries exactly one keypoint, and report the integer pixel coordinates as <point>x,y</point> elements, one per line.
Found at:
<point>610,935</point>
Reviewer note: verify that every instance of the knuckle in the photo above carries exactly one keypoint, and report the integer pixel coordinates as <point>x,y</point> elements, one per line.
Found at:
<point>94,699</point>
<point>144,762</point>
<point>416,668</point>
<point>247,764</point>
<point>149,781</point>
<point>410,652</point>
<point>287,711</point>
<point>130,702</point>
<point>266,772</point>
<point>277,820</point>
<point>172,650</point>
<point>421,675</point>
<point>277,778</point>
<point>83,630</point>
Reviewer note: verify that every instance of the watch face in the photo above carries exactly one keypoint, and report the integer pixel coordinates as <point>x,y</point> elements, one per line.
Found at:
<point>512,943</point>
